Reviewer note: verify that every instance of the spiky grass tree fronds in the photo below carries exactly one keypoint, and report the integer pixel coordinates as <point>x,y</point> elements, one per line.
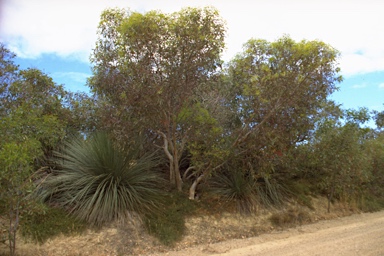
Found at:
<point>236,186</point>
<point>270,192</point>
<point>247,190</point>
<point>99,183</point>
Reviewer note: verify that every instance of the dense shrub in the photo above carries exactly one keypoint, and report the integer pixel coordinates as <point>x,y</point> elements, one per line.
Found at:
<point>168,225</point>
<point>38,227</point>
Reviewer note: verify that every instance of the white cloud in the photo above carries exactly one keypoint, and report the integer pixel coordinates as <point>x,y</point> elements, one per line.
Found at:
<point>77,77</point>
<point>360,63</point>
<point>381,86</point>
<point>68,27</point>
<point>359,86</point>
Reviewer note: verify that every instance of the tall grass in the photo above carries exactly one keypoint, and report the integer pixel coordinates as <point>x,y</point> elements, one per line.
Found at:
<point>247,189</point>
<point>98,182</point>
<point>236,186</point>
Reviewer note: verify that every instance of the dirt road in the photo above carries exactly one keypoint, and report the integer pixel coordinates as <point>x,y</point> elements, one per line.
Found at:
<point>360,234</point>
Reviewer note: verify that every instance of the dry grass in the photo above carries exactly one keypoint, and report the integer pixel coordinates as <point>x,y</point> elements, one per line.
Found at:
<point>130,238</point>
<point>290,218</point>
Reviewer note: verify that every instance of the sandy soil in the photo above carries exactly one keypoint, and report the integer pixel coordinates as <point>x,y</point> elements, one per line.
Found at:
<point>344,231</point>
<point>359,234</point>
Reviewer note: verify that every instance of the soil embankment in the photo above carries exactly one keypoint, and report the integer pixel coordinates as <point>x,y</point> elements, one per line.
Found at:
<point>225,234</point>
<point>358,234</point>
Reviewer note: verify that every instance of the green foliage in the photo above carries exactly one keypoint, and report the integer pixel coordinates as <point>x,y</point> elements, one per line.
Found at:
<point>154,65</point>
<point>271,192</point>
<point>279,88</point>
<point>247,188</point>
<point>168,225</point>
<point>82,113</point>
<point>336,159</point>
<point>379,119</point>
<point>207,148</point>
<point>98,182</point>
<point>236,186</point>
<point>30,127</point>
<point>357,117</point>
<point>371,203</point>
<point>8,74</point>
<point>373,197</point>
<point>342,161</point>
<point>38,91</point>
<point>38,227</point>
<point>301,191</point>
<point>158,56</point>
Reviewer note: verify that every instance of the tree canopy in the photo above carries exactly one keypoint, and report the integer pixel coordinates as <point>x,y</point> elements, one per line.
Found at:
<point>150,68</point>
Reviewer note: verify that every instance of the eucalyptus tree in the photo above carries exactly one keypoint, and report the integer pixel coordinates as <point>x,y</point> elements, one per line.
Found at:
<point>374,190</point>
<point>282,85</point>
<point>149,68</point>
<point>379,119</point>
<point>8,74</point>
<point>30,126</point>
<point>343,160</point>
<point>278,90</point>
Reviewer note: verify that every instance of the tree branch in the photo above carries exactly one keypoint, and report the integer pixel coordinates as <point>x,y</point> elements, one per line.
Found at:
<point>165,147</point>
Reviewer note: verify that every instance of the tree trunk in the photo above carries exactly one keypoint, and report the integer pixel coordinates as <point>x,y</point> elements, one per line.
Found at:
<point>174,169</point>
<point>192,189</point>
<point>185,177</point>
<point>170,157</point>
<point>330,197</point>
<point>179,182</point>
<point>13,225</point>
<point>171,173</point>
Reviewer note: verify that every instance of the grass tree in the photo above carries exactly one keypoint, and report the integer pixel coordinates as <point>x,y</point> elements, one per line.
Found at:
<point>98,182</point>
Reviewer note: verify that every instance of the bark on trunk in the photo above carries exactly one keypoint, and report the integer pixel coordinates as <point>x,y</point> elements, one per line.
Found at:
<point>178,181</point>
<point>171,172</point>
<point>330,197</point>
<point>192,189</point>
<point>174,169</point>
<point>185,177</point>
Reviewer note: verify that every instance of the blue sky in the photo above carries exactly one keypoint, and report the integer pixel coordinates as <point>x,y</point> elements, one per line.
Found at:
<point>57,36</point>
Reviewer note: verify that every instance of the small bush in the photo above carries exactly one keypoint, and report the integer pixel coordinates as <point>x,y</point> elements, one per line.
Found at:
<point>168,225</point>
<point>38,227</point>
<point>289,218</point>
<point>371,204</point>
<point>300,190</point>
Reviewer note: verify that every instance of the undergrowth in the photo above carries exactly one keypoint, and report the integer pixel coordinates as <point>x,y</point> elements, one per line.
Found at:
<point>289,218</point>
<point>168,225</point>
<point>39,227</point>
<point>301,191</point>
<point>371,203</point>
